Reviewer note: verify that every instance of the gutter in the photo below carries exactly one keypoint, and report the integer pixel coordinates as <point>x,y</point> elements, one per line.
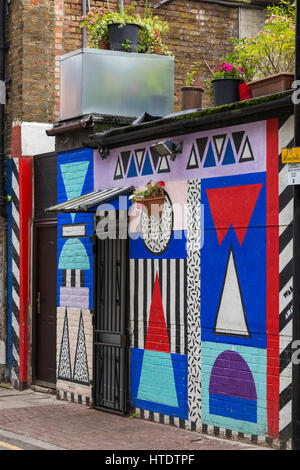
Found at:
<point>87,122</point>
<point>227,3</point>
<point>189,122</point>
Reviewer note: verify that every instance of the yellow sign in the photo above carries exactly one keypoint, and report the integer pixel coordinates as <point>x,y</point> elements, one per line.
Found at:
<point>291,155</point>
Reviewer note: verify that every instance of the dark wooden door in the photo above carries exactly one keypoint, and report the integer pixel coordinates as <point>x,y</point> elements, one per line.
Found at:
<point>45,303</point>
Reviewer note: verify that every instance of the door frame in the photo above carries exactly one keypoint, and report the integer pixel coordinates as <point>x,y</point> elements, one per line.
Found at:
<point>37,224</point>
<point>127,328</point>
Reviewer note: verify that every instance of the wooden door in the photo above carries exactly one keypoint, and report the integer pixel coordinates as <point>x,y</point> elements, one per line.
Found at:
<point>45,300</point>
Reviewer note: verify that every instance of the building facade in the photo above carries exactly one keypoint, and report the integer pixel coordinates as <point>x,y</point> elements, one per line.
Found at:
<point>184,318</point>
<point>171,285</point>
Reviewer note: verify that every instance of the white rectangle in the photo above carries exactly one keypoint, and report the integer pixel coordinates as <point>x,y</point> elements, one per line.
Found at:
<point>73,230</point>
<point>293,173</point>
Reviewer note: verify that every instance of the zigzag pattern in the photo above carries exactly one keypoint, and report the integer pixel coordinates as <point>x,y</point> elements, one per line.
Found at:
<point>286,133</point>
<point>15,268</point>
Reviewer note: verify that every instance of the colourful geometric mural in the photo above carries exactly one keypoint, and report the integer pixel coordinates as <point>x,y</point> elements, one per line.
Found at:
<point>75,266</point>
<point>233,306</point>
<point>238,150</point>
<point>158,378</point>
<point>232,390</point>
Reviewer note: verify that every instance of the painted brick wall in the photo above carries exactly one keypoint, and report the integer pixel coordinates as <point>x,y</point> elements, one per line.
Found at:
<point>74,279</point>
<point>210,299</point>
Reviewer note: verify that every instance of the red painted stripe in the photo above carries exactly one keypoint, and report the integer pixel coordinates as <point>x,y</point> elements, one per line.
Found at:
<point>25,170</point>
<point>272,279</point>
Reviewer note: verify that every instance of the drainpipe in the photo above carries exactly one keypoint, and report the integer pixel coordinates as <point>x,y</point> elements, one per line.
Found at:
<point>2,77</point>
<point>84,29</point>
<point>296,257</point>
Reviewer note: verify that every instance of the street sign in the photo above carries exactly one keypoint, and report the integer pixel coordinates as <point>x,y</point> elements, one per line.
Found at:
<point>290,155</point>
<point>294,173</point>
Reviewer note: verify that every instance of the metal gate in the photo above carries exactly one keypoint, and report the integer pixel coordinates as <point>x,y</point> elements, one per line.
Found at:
<point>110,382</point>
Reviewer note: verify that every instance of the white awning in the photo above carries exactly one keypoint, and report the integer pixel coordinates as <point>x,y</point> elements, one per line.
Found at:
<point>87,201</point>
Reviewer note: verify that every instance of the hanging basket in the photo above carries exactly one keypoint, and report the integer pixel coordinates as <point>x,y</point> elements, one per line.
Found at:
<point>153,205</point>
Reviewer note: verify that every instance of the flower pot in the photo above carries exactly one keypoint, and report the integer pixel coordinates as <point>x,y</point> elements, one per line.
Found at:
<point>102,44</point>
<point>123,38</point>
<point>153,205</point>
<point>272,84</point>
<point>225,90</point>
<point>245,92</point>
<point>191,97</point>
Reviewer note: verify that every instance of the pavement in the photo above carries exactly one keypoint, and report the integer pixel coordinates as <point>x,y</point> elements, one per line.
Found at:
<point>32,420</point>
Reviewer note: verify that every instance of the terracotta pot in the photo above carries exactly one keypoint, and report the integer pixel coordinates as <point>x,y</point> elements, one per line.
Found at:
<point>103,44</point>
<point>272,84</point>
<point>153,205</point>
<point>191,97</point>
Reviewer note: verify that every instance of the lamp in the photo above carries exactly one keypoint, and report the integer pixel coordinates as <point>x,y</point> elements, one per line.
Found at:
<point>168,147</point>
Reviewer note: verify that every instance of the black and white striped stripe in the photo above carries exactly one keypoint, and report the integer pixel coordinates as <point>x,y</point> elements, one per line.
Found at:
<point>73,278</point>
<point>172,274</point>
<point>74,397</point>
<point>211,430</point>
<point>15,302</point>
<point>286,134</point>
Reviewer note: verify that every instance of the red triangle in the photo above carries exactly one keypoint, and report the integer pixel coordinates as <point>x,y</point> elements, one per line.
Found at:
<point>233,206</point>
<point>157,335</point>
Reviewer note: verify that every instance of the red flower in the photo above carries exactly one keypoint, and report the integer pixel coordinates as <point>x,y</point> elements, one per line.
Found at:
<point>161,183</point>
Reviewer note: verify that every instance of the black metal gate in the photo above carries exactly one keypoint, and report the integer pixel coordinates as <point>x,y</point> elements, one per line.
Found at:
<point>110,382</point>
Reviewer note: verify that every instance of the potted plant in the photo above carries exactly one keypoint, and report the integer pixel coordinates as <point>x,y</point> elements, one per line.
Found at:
<point>151,35</point>
<point>268,58</point>
<point>191,95</point>
<point>123,31</point>
<point>152,198</point>
<point>119,29</point>
<point>224,84</point>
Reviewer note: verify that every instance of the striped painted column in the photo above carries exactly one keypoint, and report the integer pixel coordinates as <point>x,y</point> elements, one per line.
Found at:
<point>286,132</point>
<point>19,214</point>
<point>14,273</point>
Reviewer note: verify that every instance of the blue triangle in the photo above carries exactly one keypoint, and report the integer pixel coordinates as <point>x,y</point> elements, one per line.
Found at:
<point>229,155</point>
<point>132,169</point>
<point>73,175</point>
<point>210,157</point>
<point>157,382</point>
<point>147,168</point>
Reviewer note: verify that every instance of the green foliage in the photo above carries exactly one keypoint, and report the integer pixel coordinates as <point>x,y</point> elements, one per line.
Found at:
<point>225,70</point>
<point>152,29</point>
<point>272,50</point>
<point>126,45</point>
<point>152,190</point>
<point>190,78</point>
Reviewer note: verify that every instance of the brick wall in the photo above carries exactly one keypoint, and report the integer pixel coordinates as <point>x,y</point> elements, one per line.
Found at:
<point>196,34</point>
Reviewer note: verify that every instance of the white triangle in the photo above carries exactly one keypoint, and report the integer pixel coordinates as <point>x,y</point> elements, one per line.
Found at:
<point>193,161</point>
<point>219,144</point>
<point>246,155</point>
<point>231,312</point>
<point>118,171</point>
<point>163,164</point>
<point>139,155</point>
